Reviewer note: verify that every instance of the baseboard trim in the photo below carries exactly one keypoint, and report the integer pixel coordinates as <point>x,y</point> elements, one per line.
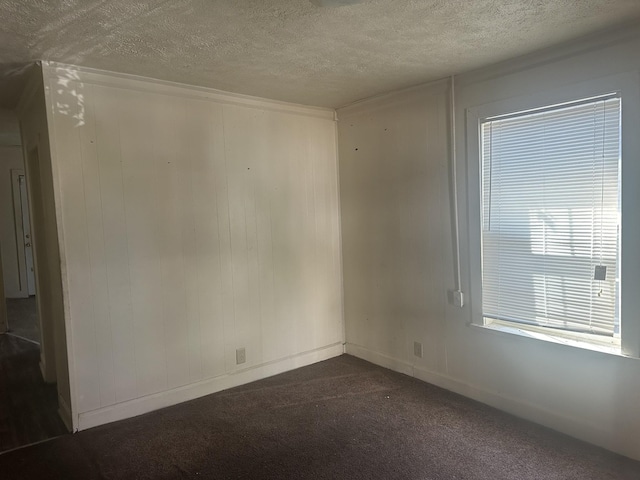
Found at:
<point>572,426</point>
<point>139,406</point>
<point>379,359</point>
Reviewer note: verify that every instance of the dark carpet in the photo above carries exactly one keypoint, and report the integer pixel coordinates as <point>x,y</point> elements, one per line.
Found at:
<point>28,406</point>
<point>339,419</point>
<point>22,318</point>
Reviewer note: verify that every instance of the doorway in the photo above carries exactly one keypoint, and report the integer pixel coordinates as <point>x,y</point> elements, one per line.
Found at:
<point>23,231</point>
<point>28,404</point>
<point>22,317</point>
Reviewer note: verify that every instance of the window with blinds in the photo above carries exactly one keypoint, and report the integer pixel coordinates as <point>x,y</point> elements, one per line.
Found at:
<point>551,216</point>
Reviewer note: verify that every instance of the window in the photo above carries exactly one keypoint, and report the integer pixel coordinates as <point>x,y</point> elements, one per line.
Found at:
<point>550,217</point>
<point>551,178</point>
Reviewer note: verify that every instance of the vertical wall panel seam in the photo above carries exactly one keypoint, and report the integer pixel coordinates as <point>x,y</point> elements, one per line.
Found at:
<point>259,277</point>
<point>226,177</point>
<point>221,307</point>
<point>132,323</point>
<point>181,103</point>
<point>339,238</point>
<point>189,155</point>
<point>313,162</point>
<point>90,90</point>
<point>91,274</point>
<point>163,247</point>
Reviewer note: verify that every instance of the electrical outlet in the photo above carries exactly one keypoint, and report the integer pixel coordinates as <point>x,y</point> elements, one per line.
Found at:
<point>458,298</point>
<point>417,349</point>
<point>241,356</point>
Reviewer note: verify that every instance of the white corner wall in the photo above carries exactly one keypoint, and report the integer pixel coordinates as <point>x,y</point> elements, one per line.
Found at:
<point>192,223</point>
<point>32,113</point>
<point>399,265</point>
<point>395,223</point>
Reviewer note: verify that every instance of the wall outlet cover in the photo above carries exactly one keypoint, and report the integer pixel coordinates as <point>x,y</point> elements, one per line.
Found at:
<point>458,298</point>
<point>241,356</point>
<point>417,349</point>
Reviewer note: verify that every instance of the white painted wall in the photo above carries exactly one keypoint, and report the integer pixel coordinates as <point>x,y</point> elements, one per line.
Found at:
<point>395,222</point>
<point>192,223</point>
<point>10,159</point>
<point>398,255</point>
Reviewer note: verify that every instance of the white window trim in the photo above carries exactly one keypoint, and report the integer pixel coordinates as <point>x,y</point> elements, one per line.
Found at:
<point>627,86</point>
<point>580,340</point>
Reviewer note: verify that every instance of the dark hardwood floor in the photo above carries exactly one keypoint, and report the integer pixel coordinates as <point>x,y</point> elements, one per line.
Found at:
<point>28,406</point>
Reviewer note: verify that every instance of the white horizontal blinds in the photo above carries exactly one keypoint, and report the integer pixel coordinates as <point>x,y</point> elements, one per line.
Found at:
<point>550,216</point>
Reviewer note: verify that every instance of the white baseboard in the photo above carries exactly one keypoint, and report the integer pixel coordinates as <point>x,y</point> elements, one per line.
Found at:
<point>138,406</point>
<point>572,426</point>
<point>379,359</point>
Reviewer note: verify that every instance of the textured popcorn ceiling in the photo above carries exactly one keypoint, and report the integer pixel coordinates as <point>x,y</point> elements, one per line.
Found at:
<point>291,50</point>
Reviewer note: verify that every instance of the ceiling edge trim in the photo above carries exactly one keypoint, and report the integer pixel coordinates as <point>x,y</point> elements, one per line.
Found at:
<point>62,71</point>
<point>394,97</point>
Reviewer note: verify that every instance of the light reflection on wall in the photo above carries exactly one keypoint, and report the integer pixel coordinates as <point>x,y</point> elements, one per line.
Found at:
<point>70,89</point>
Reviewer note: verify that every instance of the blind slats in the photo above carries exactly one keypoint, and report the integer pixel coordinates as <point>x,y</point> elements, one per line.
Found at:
<point>550,215</point>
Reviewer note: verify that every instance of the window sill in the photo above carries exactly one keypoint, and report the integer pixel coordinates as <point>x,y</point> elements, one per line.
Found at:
<point>584,341</point>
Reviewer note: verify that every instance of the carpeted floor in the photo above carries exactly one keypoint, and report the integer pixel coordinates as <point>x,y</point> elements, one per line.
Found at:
<point>339,419</point>
<point>28,406</point>
<point>22,318</point>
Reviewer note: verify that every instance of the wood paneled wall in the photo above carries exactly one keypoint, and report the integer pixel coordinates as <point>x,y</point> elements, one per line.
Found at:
<point>192,225</point>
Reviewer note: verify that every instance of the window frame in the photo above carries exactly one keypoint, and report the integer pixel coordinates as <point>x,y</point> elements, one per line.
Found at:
<point>627,87</point>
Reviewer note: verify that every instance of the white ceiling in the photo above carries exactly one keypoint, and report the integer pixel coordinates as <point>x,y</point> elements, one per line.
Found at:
<point>291,50</point>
